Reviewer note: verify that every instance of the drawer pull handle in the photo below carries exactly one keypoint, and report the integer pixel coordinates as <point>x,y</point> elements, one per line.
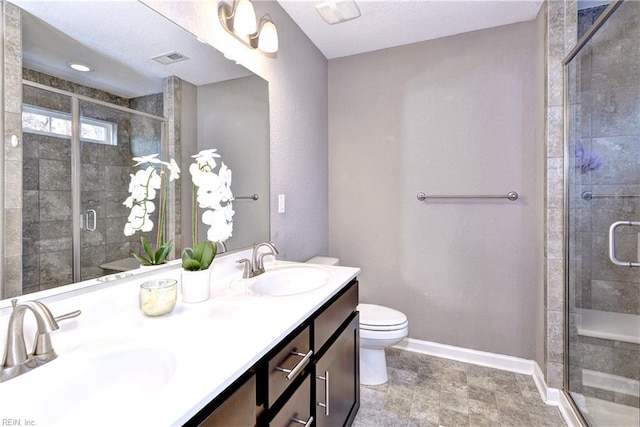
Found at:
<point>291,373</point>
<point>325,405</point>
<point>305,423</point>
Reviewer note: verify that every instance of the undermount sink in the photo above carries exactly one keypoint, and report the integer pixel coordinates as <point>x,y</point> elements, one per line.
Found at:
<point>136,375</point>
<point>285,280</point>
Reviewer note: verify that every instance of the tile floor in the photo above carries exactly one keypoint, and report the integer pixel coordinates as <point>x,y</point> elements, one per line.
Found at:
<point>429,391</point>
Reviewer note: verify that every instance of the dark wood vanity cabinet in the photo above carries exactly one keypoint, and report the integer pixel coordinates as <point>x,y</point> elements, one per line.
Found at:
<point>310,378</point>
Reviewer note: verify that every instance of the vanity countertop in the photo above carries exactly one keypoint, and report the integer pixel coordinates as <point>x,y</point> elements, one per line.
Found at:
<point>116,366</point>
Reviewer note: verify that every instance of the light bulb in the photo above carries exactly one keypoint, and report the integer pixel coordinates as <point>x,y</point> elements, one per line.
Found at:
<point>244,20</point>
<point>268,37</point>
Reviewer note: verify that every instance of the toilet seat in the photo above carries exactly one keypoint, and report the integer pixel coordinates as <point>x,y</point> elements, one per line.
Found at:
<point>378,318</point>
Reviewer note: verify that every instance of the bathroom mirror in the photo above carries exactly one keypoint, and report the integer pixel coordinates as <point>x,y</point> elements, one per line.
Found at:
<point>190,96</point>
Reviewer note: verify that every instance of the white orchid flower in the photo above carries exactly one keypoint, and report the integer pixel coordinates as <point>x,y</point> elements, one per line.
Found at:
<point>152,158</point>
<point>207,158</point>
<point>174,170</point>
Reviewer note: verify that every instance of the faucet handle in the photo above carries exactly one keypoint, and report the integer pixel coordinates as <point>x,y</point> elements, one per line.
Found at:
<point>246,272</point>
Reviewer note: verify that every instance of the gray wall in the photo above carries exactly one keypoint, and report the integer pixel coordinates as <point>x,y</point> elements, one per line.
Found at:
<point>233,116</point>
<point>451,116</point>
<point>297,78</point>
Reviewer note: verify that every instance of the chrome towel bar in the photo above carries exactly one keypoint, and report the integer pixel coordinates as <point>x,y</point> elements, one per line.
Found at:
<point>511,195</point>
<point>588,195</point>
<point>612,243</point>
<point>252,197</point>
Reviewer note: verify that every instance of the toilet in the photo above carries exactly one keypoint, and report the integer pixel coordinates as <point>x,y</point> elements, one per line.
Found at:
<point>380,327</point>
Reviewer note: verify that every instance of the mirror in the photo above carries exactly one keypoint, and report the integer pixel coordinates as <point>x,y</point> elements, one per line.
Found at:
<point>152,87</point>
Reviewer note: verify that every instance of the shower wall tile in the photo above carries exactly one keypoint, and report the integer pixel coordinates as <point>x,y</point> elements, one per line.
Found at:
<point>30,174</point>
<point>13,276</point>
<point>53,148</point>
<point>555,244</point>
<point>93,200</point>
<point>13,89</point>
<point>620,158</point>
<point>56,269</point>
<point>555,132</point>
<point>54,175</point>
<point>114,207</point>
<point>13,232</point>
<point>626,249</point>
<point>117,178</point>
<point>90,261</point>
<point>555,339</point>
<point>12,185</point>
<point>560,38</point>
<point>31,272</point>
<point>616,111</point>
<point>555,95</point>
<point>92,177</point>
<point>54,236</point>
<point>555,295</point>
<point>555,183</point>
<point>555,28</point>
<point>619,297</point>
<point>116,251</point>
<point>30,237</point>
<point>55,205</point>
<point>94,238</point>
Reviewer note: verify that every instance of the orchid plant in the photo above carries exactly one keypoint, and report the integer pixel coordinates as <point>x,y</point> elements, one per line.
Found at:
<point>211,192</point>
<point>148,181</point>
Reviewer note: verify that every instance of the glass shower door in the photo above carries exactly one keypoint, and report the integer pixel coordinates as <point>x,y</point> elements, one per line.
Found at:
<point>109,139</point>
<point>603,179</point>
<point>47,222</point>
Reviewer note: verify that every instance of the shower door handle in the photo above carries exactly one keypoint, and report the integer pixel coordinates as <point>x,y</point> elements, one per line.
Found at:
<point>612,243</point>
<point>90,218</point>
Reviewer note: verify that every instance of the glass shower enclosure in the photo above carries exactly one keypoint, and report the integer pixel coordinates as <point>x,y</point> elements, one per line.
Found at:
<point>602,171</point>
<point>77,163</point>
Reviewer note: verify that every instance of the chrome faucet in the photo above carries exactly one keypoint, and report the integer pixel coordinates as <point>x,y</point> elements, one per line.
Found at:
<point>16,360</point>
<point>255,266</point>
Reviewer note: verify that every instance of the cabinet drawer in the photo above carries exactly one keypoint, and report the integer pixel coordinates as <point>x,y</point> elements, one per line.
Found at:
<point>288,364</point>
<point>333,316</point>
<point>297,410</point>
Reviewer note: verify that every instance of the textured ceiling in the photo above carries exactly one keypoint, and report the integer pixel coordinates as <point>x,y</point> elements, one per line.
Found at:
<point>385,24</point>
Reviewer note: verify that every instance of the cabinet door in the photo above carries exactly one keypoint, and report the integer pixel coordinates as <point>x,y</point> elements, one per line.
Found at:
<point>239,409</point>
<point>337,380</point>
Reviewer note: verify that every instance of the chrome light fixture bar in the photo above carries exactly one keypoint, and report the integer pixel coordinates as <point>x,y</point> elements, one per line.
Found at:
<point>239,20</point>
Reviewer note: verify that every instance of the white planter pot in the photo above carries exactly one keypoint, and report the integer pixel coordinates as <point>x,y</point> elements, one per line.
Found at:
<point>195,285</point>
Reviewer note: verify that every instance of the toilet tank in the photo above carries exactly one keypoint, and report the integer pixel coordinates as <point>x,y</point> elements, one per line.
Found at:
<point>324,260</point>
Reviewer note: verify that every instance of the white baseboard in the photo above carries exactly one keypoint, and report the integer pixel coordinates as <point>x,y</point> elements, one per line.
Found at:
<point>551,396</point>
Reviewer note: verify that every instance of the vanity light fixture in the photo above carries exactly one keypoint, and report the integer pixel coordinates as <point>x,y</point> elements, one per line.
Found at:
<point>239,20</point>
<point>79,67</point>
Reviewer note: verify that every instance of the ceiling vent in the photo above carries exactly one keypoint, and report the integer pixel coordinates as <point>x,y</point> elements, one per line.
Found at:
<point>170,58</point>
<point>336,11</point>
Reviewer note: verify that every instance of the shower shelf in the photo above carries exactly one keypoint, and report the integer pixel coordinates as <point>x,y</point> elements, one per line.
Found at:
<point>610,326</point>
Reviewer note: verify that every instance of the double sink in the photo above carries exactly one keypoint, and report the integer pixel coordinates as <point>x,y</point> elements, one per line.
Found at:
<point>145,365</point>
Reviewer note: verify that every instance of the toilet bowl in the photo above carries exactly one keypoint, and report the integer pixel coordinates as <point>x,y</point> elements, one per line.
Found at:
<point>380,327</point>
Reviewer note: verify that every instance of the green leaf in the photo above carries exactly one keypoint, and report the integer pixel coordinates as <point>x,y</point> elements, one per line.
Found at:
<point>191,265</point>
<point>187,254</point>
<point>198,250</point>
<point>163,251</point>
<point>147,247</point>
<point>208,254</point>
<point>143,260</point>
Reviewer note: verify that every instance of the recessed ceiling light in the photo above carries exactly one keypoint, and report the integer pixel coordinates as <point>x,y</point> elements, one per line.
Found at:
<point>80,67</point>
<point>336,11</point>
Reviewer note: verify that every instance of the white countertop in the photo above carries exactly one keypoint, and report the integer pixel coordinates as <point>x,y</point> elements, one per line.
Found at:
<point>102,376</point>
